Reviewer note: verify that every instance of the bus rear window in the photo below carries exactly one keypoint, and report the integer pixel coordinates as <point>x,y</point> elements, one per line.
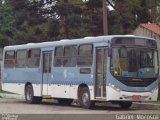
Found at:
<point>9,60</point>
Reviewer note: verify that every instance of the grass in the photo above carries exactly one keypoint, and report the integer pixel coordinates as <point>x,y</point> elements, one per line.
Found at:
<point>155,102</point>
<point>1,91</point>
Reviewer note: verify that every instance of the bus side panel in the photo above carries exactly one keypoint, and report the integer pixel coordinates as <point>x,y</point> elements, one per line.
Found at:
<point>60,91</point>
<point>67,91</point>
<point>14,88</point>
<point>65,81</point>
<point>91,89</point>
<point>73,91</point>
<point>62,82</point>
<point>37,89</point>
<point>14,80</point>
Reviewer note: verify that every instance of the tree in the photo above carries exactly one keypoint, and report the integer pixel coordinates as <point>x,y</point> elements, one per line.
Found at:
<point>44,20</point>
<point>28,21</point>
<point>6,23</point>
<point>130,13</point>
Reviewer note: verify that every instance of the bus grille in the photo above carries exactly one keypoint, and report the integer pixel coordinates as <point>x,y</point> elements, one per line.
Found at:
<point>138,83</point>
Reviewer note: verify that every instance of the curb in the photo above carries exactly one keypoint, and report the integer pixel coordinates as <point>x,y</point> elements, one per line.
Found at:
<point>150,106</point>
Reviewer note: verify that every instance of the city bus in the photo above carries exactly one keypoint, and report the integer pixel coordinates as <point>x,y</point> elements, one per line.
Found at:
<point>119,68</point>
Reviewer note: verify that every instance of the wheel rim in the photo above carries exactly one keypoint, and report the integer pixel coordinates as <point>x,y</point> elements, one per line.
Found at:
<point>29,94</point>
<point>85,98</point>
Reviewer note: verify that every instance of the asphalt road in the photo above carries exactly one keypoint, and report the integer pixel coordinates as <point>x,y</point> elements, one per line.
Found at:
<point>50,110</point>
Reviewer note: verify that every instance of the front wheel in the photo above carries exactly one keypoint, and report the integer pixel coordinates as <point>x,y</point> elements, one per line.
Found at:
<point>125,104</point>
<point>29,95</point>
<point>84,98</point>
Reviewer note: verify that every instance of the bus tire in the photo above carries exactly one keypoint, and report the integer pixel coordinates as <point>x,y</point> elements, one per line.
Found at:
<point>84,98</point>
<point>29,95</point>
<point>125,104</point>
<point>63,101</point>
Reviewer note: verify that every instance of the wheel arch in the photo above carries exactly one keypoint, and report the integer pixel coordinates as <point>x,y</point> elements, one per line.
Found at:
<point>26,84</point>
<point>82,85</point>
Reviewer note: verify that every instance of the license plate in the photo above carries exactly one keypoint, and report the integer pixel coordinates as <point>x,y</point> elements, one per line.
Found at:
<point>136,97</point>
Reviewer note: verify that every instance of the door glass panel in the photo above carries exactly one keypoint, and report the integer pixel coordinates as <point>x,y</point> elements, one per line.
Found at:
<point>105,72</point>
<point>46,63</point>
<point>46,71</point>
<point>101,70</point>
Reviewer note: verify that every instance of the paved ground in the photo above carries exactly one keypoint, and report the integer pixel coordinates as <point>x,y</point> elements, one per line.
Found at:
<point>14,107</point>
<point>51,109</point>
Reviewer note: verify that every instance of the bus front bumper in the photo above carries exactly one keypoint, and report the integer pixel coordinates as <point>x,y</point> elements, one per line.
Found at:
<point>114,94</point>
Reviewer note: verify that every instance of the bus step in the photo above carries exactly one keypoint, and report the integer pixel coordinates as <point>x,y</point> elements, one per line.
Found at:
<point>46,96</point>
<point>100,98</point>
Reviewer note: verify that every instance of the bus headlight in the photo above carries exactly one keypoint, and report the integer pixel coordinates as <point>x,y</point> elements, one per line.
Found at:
<point>114,87</point>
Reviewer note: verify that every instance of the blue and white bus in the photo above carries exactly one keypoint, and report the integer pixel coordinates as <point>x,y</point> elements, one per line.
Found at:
<point>119,69</point>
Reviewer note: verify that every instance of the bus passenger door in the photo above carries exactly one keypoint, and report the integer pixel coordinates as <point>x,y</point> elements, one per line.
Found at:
<point>46,71</point>
<point>100,72</point>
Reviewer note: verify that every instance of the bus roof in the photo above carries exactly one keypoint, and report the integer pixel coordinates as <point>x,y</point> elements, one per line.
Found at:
<point>69,42</point>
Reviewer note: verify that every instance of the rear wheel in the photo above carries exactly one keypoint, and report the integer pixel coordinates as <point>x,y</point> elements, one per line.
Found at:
<point>84,98</point>
<point>65,101</point>
<point>125,104</point>
<point>29,95</point>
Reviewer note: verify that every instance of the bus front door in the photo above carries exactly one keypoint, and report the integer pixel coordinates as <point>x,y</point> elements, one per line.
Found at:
<point>100,72</point>
<point>46,71</point>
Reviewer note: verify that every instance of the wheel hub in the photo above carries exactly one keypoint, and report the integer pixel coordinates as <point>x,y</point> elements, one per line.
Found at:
<point>85,98</point>
<point>29,94</point>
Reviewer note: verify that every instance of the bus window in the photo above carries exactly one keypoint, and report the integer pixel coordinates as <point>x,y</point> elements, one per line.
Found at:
<point>21,58</point>
<point>9,59</point>
<point>69,59</point>
<point>134,62</point>
<point>33,58</point>
<point>58,56</point>
<point>85,55</point>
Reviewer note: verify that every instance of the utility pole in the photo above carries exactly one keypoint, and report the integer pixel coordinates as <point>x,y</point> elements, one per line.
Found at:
<point>66,31</point>
<point>105,18</point>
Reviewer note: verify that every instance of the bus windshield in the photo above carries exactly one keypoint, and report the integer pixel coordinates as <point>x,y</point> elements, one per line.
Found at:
<point>134,62</point>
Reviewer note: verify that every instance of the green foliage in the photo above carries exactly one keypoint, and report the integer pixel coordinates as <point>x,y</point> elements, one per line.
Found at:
<point>23,21</point>
<point>129,14</point>
<point>6,22</point>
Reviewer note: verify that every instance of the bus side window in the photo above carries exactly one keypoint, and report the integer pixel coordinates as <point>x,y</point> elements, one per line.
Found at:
<point>58,56</point>
<point>21,58</point>
<point>33,58</point>
<point>85,55</point>
<point>9,60</point>
<point>70,53</point>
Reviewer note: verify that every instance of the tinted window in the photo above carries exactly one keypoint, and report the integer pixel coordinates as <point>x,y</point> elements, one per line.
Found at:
<point>70,53</point>
<point>9,59</point>
<point>21,60</point>
<point>85,55</point>
<point>34,58</point>
<point>58,56</point>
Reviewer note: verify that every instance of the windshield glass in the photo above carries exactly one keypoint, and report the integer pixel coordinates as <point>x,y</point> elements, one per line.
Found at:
<point>134,62</point>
